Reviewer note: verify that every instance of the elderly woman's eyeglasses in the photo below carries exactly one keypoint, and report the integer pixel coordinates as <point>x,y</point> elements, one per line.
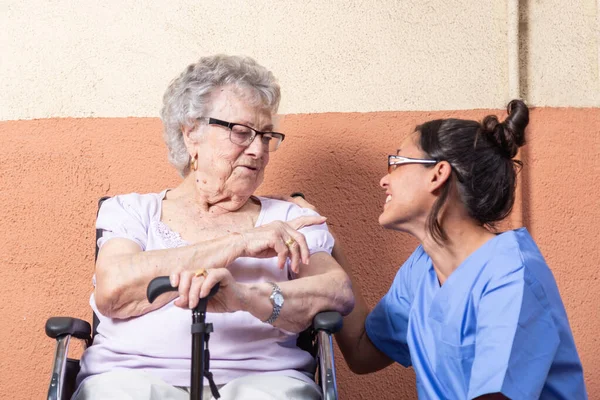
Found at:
<point>244,135</point>
<point>395,160</point>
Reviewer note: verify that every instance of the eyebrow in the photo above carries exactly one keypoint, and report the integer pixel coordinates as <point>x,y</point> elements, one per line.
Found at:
<point>398,151</point>
<point>249,124</point>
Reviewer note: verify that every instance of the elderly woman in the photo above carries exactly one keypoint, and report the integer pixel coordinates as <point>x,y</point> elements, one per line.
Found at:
<point>271,258</point>
<point>476,313</point>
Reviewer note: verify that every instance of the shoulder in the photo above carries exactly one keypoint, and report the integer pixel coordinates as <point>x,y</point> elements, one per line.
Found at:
<point>137,199</point>
<point>503,257</point>
<point>282,210</point>
<point>418,263</point>
<point>413,270</point>
<point>515,252</point>
<point>318,237</point>
<point>142,206</point>
<point>515,258</point>
<point>418,259</point>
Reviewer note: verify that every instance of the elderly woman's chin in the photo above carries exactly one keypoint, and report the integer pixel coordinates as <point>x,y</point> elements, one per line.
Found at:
<point>246,183</point>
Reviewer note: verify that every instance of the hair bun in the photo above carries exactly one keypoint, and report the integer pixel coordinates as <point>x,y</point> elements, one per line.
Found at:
<point>510,134</point>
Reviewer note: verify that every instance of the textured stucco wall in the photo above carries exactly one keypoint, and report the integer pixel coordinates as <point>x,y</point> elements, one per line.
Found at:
<point>111,59</point>
<point>52,172</point>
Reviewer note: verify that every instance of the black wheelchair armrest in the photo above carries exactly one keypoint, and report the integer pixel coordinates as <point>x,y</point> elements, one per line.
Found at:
<point>64,370</point>
<point>60,326</point>
<point>328,321</point>
<point>326,324</point>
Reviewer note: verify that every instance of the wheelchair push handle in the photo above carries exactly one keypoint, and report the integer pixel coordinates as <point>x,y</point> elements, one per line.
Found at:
<point>162,284</point>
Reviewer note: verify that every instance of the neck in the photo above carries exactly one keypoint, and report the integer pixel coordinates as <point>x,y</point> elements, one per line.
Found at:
<point>214,202</point>
<point>464,236</point>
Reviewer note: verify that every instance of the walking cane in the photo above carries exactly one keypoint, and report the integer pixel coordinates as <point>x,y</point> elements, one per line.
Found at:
<point>200,335</point>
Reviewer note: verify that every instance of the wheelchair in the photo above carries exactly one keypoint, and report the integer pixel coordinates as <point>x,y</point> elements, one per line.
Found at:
<point>317,340</point>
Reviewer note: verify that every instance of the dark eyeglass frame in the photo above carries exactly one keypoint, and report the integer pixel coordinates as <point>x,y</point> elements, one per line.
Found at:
<point>273,135</point>
<point>395,160</point>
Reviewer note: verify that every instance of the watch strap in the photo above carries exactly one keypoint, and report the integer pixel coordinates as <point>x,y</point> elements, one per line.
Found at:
<point>276,308</point>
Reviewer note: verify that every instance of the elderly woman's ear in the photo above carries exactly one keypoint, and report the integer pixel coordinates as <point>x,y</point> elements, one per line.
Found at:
<point>187,131</point>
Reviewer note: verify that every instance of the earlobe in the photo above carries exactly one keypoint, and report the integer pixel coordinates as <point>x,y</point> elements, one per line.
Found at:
<point>440,174</point>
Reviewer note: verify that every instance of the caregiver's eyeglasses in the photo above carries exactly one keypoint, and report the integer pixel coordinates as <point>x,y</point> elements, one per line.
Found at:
<point>244,135</point>
<point>395,160</point>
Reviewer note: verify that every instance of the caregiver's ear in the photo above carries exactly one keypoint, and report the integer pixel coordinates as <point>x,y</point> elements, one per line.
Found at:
<point>440,174</point>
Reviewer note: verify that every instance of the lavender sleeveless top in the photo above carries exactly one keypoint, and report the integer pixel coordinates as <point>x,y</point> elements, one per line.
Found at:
<point>160,342</point>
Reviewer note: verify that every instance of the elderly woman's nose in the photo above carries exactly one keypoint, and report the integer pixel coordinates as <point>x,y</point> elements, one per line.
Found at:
<point>257,147</point>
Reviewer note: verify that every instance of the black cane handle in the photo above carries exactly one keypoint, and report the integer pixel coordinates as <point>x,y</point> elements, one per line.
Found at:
<point>162,284</point>
<point>158,286</point>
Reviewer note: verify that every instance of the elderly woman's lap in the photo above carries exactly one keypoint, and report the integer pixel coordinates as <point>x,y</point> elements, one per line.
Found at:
<point>269,387</point>
<point>138,385</point>
<point>128,384</point>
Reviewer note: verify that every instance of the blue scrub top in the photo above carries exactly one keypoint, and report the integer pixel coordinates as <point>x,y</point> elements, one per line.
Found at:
<point>497,325</point>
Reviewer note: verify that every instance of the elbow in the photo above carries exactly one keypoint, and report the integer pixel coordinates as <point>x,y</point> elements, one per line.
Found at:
<point>106,294</point>
<point>105,301</point>
<point>358,368</point>
<point>362,366</point>
<point>357,364</point>
<point>345,295</point>
<point>109,304</point>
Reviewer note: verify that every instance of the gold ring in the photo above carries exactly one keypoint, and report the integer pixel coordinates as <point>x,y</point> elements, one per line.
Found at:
<point>290,242</point>
<point>201,272</point>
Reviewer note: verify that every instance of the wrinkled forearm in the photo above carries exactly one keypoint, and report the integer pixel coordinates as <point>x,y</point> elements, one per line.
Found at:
<point>304,298</point>
<point>122,279</point>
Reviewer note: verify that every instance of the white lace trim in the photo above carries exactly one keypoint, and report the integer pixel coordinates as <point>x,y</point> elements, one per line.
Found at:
<point>168,236</point>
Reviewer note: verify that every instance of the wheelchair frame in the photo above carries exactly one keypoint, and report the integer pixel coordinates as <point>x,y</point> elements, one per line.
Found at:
<point>317,340</point>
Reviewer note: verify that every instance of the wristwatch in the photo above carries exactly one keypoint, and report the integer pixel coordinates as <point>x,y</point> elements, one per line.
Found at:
<point>277,301</point>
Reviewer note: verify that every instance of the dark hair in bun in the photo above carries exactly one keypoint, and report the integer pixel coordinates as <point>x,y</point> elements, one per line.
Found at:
<point>510,134</point>
<point>481,156</point>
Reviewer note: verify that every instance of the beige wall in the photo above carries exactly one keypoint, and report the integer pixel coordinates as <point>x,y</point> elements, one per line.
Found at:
<point>560,56</point>
<point>103,59</point>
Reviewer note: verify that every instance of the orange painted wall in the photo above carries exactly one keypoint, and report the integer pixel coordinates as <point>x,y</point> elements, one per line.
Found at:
<point>53,171</point>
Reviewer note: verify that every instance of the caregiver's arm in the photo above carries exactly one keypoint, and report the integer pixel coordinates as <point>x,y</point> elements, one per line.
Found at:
<point>359,352</point>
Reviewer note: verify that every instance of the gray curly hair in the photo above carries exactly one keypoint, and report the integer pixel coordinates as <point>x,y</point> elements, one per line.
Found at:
<point>188,96</point>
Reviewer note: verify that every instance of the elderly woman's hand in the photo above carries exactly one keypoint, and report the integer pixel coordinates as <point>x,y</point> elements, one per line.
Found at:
<point>277,238</point>
<point>193,286</point>
<point>281,239</point>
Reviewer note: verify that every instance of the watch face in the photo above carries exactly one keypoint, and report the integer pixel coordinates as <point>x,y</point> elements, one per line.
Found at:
<point>278,299</point>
